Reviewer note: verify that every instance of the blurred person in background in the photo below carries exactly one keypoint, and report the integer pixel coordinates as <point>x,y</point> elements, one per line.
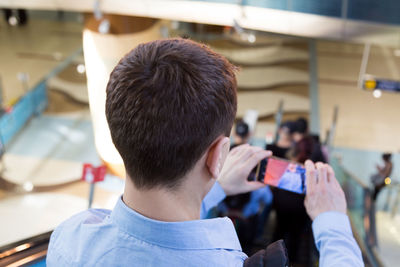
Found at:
<point>247,211</point>
<point>301,129</point>
<point>241,135</point>
<point>302,150</point>
<point>293,225</point>
<point>285,140</point>
<point>307,146</point>
<point>378,179</point>
<point>243,209</point>
<point>320,152</point>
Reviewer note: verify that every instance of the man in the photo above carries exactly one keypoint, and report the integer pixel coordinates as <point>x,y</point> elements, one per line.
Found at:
<point>170,108</point>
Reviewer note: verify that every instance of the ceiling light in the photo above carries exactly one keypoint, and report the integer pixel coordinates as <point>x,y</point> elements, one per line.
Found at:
<point>377,93</point>
<point>28,186</point>
<point>104,26</point>
<point>13,21</point>
<point>251,38</point>
<point>80,68</point>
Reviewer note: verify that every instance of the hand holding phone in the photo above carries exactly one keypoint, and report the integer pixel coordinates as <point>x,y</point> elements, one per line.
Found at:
<point>238,164</point>
<point>324,191</point>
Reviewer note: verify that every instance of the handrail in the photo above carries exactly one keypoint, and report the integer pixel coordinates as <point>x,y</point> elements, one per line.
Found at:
<point>29,107</point>
<point>350,174</point>
<point>63,64</point>
<point>361,211</point>
<point>355,178</point>
<point>16,254</point>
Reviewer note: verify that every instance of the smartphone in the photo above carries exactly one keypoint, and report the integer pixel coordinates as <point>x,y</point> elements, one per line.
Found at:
<point>282,174</point>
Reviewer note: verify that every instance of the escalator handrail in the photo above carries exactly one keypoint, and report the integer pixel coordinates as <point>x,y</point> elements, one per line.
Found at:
<point>360,182</point>
<point>369,244</point>
<point>23,245</point>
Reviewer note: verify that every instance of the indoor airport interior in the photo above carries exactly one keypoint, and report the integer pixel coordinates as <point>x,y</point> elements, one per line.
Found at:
<point>332,64</point>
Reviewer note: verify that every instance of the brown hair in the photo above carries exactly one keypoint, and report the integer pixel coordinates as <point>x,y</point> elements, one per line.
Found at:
<point>167,102</point>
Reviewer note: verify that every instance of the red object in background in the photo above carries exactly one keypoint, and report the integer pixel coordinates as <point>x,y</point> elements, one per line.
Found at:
<point>92,174</point>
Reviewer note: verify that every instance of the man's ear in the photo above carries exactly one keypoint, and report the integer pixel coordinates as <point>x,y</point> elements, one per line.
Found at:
<point>217,155</point>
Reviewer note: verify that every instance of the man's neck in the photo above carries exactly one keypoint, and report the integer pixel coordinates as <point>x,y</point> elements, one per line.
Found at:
<point>182,204</point>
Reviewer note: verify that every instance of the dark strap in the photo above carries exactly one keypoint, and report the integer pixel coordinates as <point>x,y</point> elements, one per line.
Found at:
<point>275,255</point>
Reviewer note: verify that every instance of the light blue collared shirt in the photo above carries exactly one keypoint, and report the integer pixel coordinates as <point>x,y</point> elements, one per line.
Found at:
<point>334,240</point>
<point>123,237</point>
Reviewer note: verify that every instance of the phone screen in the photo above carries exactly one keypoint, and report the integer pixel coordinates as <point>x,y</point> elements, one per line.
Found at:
<point>282,174</point>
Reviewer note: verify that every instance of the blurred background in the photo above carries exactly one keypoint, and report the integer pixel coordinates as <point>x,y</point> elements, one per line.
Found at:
<point>335,64</point>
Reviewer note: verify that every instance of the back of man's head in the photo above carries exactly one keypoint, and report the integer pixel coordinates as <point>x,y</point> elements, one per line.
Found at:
<point>167,102</point>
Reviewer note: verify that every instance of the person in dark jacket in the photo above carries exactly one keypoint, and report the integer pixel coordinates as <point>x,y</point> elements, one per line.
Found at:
<point>293,225</point>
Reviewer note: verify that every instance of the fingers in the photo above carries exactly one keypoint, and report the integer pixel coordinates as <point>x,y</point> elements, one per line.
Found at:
<point>311,176</point>
<point>322,173</point>
<point>256,157</point>
<point>331,174</point>
<point>241,160</point>
<point>250,151</point>
<point>237,150</point>
<point>244,152</point>
<point>332,178</point>
<point>240,150</point>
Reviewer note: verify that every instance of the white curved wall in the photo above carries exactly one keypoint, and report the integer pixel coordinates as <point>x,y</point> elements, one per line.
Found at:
<point>102,52</point>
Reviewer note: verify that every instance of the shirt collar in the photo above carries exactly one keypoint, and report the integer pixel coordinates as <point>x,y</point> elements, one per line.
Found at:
<point>217,233</point>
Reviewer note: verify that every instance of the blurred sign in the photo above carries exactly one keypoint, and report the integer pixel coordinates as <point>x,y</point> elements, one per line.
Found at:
<point>371,84</point>
<point>92,174</point>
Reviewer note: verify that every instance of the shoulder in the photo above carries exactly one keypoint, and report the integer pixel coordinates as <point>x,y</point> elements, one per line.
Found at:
<point>87,217</point>
<point>74,233</point>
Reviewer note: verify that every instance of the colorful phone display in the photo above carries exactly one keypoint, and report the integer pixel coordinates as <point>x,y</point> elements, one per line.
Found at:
<point>282,174</point>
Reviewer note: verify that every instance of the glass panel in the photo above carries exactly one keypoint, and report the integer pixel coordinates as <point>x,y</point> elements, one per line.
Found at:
<point>355,196</point>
